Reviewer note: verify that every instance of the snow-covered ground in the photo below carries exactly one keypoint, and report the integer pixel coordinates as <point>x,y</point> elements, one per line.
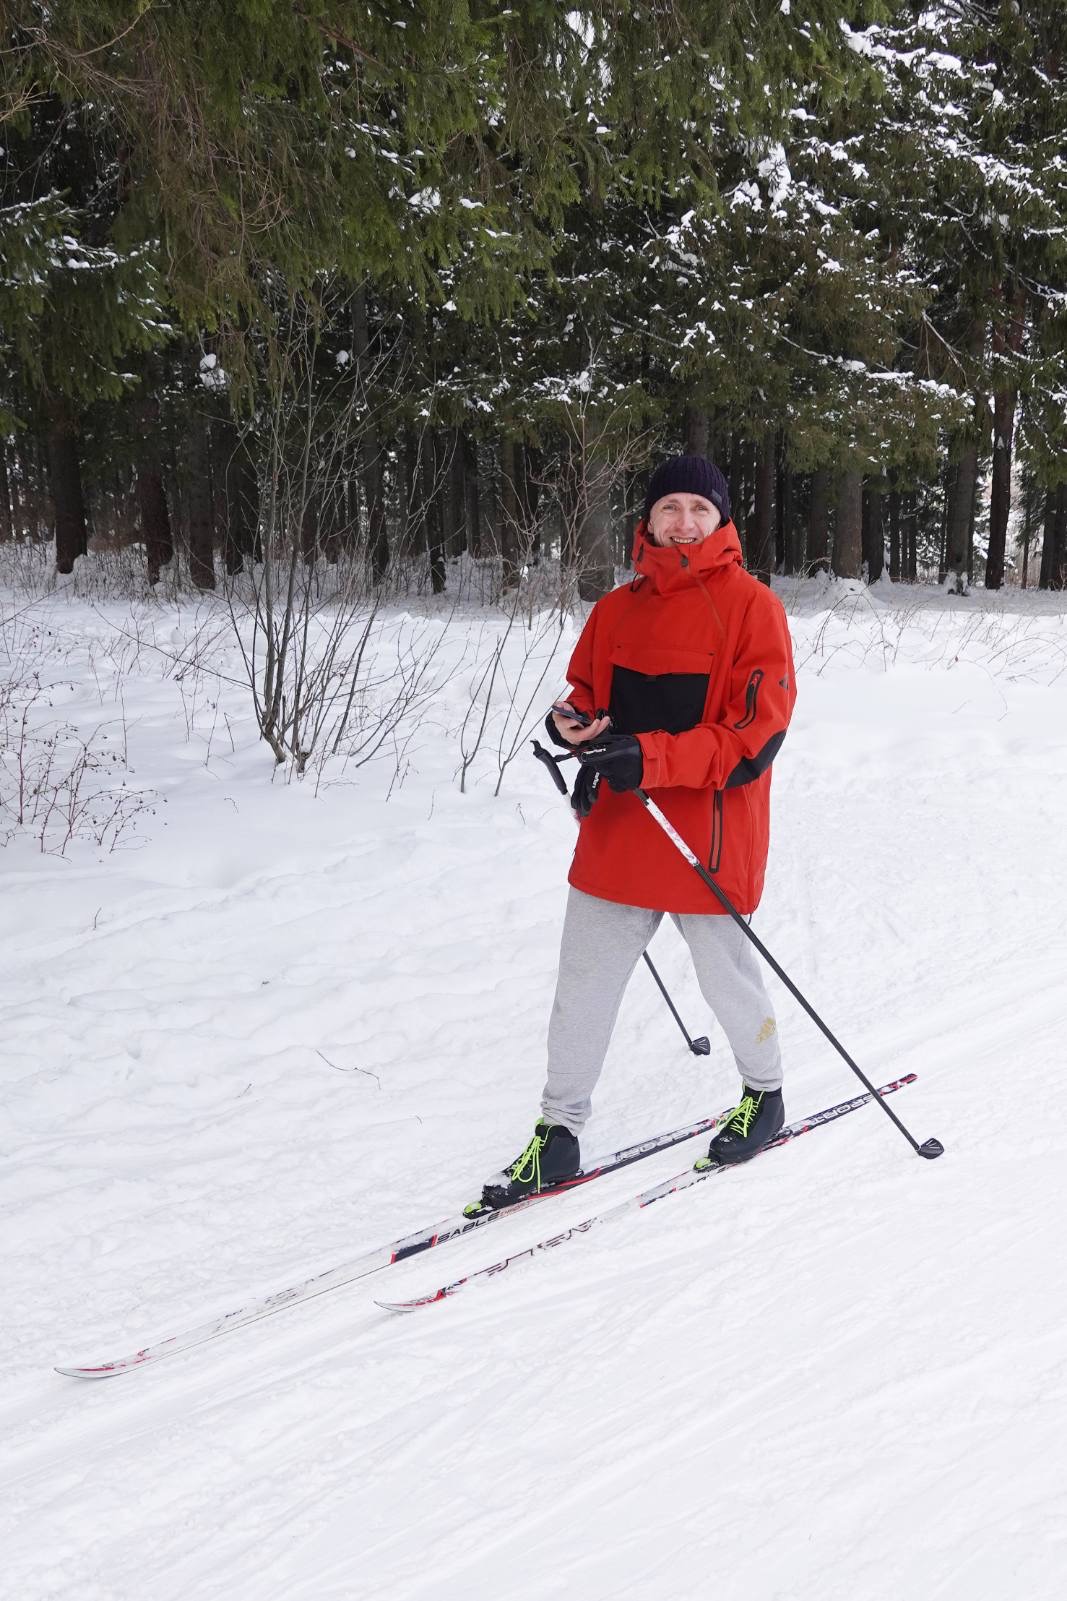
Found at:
<point>283,1022</point>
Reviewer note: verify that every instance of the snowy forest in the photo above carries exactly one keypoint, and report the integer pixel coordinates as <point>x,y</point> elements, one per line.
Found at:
<point>352,746</point>
<point>400,283</point>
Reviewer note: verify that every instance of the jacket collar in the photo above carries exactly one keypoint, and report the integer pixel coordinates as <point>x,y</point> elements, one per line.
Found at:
<point>668,568</point>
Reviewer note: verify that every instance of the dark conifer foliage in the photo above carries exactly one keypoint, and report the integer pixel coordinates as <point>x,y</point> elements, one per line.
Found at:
<point>517,254</point>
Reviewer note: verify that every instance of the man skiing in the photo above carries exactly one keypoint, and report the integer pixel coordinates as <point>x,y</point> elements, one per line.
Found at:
<point>682,684</point>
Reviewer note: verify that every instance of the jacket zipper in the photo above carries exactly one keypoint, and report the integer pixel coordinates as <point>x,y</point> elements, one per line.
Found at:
<point>755,679</point>
<point>715,854</point>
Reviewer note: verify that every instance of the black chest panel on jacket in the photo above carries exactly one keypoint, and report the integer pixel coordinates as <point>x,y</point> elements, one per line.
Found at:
<point>647,703</point>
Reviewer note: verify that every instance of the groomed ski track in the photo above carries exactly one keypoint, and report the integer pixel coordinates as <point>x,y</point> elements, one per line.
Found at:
<point>840,1376</point>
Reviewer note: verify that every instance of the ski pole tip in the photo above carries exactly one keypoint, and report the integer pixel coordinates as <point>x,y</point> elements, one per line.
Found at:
<point>701,1046</point>
<point>931,1148</point>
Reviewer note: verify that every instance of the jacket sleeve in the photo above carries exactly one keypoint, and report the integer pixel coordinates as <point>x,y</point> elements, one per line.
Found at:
<point>760,699</point>
<point>580,669</point>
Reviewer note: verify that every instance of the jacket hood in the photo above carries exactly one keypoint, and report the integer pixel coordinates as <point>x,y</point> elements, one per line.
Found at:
<point>668,567</point>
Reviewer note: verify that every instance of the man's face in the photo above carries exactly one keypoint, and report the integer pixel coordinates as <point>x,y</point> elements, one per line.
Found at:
<point>683,520</point>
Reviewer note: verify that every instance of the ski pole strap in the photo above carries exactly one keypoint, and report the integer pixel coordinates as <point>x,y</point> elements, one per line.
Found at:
<point>546,758</point>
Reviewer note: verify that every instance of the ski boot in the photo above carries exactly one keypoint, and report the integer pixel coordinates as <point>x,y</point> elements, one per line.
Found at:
<point>551,1158</point>
<point>750,1126</point>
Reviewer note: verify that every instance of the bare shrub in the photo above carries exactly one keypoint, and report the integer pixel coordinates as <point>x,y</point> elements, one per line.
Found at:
<point>308,616</point>
<point>57,784</point>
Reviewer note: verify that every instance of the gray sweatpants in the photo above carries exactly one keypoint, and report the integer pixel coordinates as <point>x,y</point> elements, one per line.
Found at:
<point>602,944</point>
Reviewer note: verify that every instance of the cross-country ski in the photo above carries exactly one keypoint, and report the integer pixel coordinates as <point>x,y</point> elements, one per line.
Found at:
<point>533,675</point>
<point>637,1203</point>
<point>374,1261</point>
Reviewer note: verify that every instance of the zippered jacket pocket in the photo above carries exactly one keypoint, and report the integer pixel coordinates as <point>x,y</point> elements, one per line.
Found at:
<point>755,679</point>
<point>715,852</point>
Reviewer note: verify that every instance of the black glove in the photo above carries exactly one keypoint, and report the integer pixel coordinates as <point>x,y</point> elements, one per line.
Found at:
<point>616,757</point>
<point>560,739</point>
<point>585,791</point>
<point>554,734</point>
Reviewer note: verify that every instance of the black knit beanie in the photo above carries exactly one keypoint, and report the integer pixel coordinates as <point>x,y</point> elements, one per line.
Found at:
<point>689,475</point>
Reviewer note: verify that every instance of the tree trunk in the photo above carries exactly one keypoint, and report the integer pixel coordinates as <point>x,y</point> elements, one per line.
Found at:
<point>634,495</point>
<point>959,512</point>
<point>65,482</point>
<point>910,538</point>
<point>787,545</point>
<point>155,518</point>
<point>970,536</point>
<point>570,495</point>
<point>893,508</point>
<point>873,537</point>
<point>696,431</point>
<point>472,490</point>
<point>1048,538</point>
<point>531,498</point>
<point>16,490</point>
<point>150,484</point>
<point>748,493</point>
<point>333,519</point>
<point>958,516</point>
<point>1029,509</point>
<point>242,507</point>
<point>1004,403</point>
<point>848,525</point>
<point>622,536</point>
<point>1056,534</point>
<point>596,573</point>
<point>200,505</point>
<point>7,521</point>
<point>310,526</point>
<point>405,492</point>
<point>817,548</point>
<point>735,475</point>
<point>1006,341</point>
<point>761,541</point>
<point>37,516</point>
<point>431,502</point>
<point>370,446</point>
<point>372,482</point>
<point>456,494</point>
<point>508,535</point>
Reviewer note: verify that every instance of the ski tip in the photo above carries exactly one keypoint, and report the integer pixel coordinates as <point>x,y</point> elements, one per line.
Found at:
<point>420,1300</point>
<point>88,1373</point>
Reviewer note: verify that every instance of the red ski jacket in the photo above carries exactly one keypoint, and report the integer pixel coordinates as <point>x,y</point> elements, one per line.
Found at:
<point>694,657</point>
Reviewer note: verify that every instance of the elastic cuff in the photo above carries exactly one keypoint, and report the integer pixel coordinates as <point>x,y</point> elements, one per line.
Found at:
<point>650,777</point>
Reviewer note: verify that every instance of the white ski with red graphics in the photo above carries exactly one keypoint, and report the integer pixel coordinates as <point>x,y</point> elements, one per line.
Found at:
<point>373,1261</point>
<point>636,1203</point>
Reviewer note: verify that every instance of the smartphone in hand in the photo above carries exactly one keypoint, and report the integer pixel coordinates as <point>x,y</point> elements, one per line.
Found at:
<point>572,715</point>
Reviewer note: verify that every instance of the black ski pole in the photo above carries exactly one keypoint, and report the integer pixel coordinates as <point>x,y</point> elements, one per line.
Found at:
<point>700,1046</point>
<point>930,1148</point>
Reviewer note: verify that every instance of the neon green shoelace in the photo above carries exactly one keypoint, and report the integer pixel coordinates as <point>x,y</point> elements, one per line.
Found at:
<point>529,1164</point>
<point>740,1120</point>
